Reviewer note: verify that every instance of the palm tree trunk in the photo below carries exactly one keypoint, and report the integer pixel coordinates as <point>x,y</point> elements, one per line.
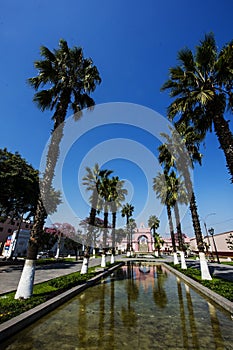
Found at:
<point>25,286</point>
<point>169,214</point>
<point>103,260</point>
<point>225,138</point>
<point>113,236</point>
<point>205,274</point>
<point>193,210</point>
<point>180,237</point>
<point>178,227</point>
<point>196,223</point>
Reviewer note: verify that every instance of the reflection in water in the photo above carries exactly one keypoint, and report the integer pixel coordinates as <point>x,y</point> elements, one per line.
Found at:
<point>136,307</point>
<point>129,316</point>
<point>159,294</point>
<point>182,315</point>
<point>192,322</point>
<point>217,337</point>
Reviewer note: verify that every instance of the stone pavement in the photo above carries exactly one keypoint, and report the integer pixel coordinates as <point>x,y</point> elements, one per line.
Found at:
<point>10,274</point>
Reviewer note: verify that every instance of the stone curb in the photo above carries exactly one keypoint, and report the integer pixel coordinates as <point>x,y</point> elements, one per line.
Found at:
<point>16,324</point>
<point>218,299</point>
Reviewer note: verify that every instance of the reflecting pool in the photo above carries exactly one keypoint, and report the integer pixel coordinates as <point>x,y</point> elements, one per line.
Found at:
<point>137,307</point>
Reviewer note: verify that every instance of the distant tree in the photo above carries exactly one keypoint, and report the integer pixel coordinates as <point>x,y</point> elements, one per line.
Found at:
<point>127,211</point>
<point>19,183</point>
<point>161,186</point>
<point>153,223</point>
<point>93,180</point>
<point>72,243</point>
<point>47,239</point>
<point>117,196</point>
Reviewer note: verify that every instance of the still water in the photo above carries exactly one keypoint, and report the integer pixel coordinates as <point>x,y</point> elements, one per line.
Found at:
<point>138,307</point>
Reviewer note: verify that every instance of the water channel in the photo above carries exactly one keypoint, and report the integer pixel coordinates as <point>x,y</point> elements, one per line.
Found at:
<point>138,307</point>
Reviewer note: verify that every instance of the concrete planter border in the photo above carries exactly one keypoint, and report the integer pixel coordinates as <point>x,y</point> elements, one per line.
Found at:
<point>218,299</point>
<point>16,324</point>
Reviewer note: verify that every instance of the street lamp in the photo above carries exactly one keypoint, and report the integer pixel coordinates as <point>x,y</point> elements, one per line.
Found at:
<point>208,239</point>
<point>211,232</point>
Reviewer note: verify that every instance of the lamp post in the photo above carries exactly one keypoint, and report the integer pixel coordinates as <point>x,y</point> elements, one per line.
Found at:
<point>211,232</point>
<point>208,240</point>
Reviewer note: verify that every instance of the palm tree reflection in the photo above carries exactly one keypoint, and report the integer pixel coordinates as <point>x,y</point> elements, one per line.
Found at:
<point>217,335</point>
<point>159,294</point>
<point>129,316</point>
<point>182,315</point>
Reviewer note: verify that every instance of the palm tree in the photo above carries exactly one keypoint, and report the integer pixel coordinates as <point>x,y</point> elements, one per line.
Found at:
<point>131,226</point>
<point>201,86</point>
<point>161,185</point>
<point>181,151</point>
<point>93,182</point>
<point>153,223</point>
<point>105,193</point>
<point>127,211</point>
<point>117,196</point>
<point>66,79</point>
<point>178,194</point>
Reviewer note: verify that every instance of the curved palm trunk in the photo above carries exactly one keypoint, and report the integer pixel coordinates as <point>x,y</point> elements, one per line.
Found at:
<point>180,237</point>
<point>225,138</point>
<point>169,214</point>
<point>25,286</point>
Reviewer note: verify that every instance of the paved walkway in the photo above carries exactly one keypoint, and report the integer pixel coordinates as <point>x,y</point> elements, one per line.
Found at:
<point>10,274</point>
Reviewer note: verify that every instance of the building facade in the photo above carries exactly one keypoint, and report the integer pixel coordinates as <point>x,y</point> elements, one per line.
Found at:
<point>9,226</point>
<point>220,240</point>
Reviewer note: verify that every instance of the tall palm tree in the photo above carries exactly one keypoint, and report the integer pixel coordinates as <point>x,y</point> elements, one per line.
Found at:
<point>127,211</point>
<point>66,79</point>
<point>181,151</point>
<point>161,185</point>
<point>178,194</point>
<point>174,153</point>
<point>201,86</point>
<point>92,180</point>
<point>117,196</point>
<point>105,193</point>
<point>131,227</point>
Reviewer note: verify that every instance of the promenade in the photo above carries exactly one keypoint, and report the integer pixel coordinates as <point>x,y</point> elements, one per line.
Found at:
<point>10,274</point>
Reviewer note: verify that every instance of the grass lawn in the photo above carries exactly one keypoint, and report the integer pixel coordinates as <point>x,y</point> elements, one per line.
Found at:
<point>9,307</point>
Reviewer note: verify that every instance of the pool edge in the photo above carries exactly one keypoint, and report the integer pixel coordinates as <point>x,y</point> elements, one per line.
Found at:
<point>17,323</point>
<point>218,299</point>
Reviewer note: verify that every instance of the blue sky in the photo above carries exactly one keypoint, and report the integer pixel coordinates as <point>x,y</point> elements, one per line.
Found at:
<point>133,44</point>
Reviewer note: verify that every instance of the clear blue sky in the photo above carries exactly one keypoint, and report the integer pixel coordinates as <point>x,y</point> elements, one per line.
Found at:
<point>133,44</point>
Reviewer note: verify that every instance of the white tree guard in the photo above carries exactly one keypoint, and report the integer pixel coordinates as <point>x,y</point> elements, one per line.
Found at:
<point>25,286</point>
